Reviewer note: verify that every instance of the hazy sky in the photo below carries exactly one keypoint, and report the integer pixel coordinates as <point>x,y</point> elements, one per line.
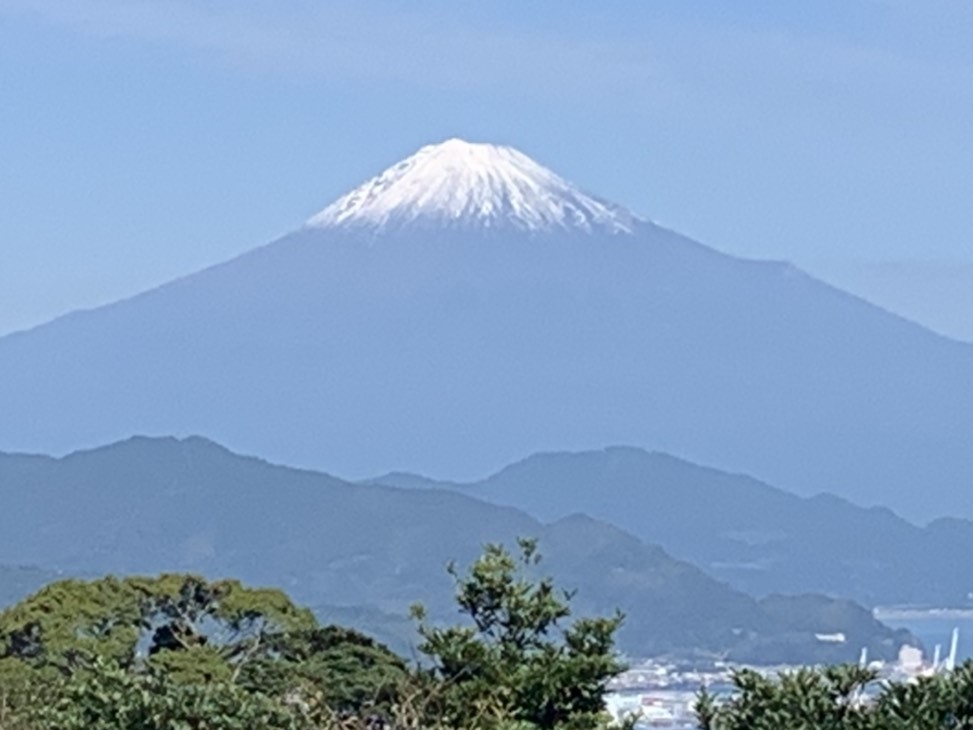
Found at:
<point>144,139</point>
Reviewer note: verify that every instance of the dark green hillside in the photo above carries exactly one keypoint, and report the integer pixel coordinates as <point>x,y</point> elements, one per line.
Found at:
<point>161,505</point>
<point>819,614</point>
<point>758,538</point>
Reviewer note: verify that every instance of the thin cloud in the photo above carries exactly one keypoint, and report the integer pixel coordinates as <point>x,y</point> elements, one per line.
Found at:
<point>699,65</point>
<point>360,42</point>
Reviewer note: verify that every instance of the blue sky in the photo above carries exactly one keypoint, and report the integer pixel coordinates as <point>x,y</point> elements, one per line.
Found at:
<point>144,139</point>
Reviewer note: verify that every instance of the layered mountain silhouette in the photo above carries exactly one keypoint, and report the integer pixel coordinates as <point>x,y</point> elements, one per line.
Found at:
<point>468,306</point>
<point>757,538</point>
<point>368,551</point>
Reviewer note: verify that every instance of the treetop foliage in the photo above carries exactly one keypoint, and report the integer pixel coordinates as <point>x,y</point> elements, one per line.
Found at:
<point>129,620</point>
<point>178,652</point>
<point>518,658</point>
<point>842,698</point>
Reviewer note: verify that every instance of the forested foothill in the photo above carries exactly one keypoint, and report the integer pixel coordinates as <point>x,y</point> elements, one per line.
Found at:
<point>359,554</point>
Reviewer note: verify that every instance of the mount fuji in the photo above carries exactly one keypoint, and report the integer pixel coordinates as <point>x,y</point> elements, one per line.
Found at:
<point>467,307</point>
<point>457,185</point>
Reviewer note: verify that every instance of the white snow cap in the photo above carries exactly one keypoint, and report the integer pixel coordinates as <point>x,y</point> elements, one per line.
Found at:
<point>458,184</point>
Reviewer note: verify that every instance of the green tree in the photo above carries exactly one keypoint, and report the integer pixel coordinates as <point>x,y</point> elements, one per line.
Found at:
<point>841,698</point>
<point>204,642</point>
<point>519,660</point>
<point>343,669</point>
<point>200,630</point>
<point>805,699</point>
<point>179,653</point>
<point>111,697</point>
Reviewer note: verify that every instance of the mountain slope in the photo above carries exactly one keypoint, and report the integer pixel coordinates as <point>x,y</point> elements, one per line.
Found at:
<point>450,329</point>
<point>152,505</point>
<point>757,538</point>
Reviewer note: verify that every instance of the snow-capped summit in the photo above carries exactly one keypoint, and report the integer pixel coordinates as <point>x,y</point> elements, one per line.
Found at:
<point>459,184</point>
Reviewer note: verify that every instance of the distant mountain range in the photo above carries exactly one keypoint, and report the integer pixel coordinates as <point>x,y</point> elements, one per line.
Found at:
<point>151,505</point>
<point>755,537</point>
<point>468,306</point>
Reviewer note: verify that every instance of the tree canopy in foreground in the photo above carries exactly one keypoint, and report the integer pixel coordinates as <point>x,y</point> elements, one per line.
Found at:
<point>178,652</point>
<point>842,698</point>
